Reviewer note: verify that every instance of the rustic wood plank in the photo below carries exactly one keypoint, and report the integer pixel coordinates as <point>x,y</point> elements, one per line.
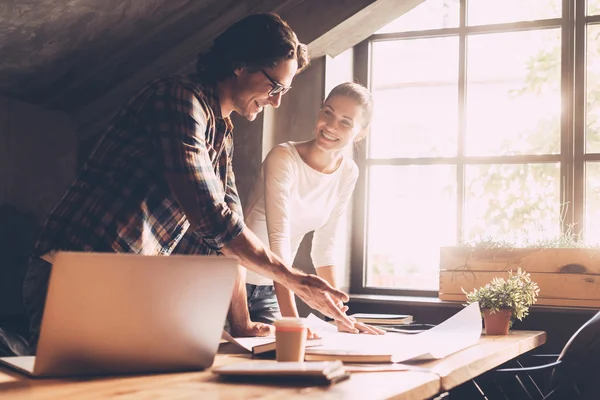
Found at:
<point>558,302</point>
<point>531,260</point>
<point>566,276</point>
<point>490,352</point>
<point>552,286</point>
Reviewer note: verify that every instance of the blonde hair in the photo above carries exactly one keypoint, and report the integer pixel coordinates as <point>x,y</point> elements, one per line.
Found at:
<point>360,94</point>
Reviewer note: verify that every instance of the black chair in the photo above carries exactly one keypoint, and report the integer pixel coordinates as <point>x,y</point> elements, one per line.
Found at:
<point>572,374</point>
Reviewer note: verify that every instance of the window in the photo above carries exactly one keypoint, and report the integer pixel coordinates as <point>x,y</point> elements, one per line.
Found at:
<point>487,125</point>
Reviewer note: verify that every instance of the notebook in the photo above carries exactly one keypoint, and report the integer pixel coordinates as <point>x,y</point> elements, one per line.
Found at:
<point>383,319</point>
<point>349,356</point>
<point>320,372</point>
<point>262,346</point>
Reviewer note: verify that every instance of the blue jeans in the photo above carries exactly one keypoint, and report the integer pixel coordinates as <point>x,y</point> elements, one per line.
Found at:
<point>262,303</point>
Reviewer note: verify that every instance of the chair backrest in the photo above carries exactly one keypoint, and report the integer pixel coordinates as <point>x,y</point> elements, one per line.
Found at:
<point>584,345</point>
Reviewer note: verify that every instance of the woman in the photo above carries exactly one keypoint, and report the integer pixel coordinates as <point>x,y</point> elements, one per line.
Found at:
<point>306,186</point>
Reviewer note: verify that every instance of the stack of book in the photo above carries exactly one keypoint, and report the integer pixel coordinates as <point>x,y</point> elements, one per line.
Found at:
<point>399,323</point>
<point>318,373</point>
<point>383,319</point>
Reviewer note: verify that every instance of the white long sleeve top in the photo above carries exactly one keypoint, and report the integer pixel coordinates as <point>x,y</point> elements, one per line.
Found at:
<point>291,199</point>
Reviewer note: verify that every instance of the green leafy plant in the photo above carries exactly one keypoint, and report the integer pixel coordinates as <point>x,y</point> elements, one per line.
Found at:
<point>516,294</point>
<point>533,238</point>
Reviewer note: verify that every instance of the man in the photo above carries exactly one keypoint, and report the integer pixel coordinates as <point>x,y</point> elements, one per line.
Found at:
<point>163,169</point>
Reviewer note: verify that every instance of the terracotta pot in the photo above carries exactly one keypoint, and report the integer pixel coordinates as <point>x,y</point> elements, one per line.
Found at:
<point>496,323</point>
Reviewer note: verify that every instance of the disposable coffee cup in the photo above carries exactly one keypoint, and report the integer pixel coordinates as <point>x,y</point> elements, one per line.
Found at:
<point>290,339</point>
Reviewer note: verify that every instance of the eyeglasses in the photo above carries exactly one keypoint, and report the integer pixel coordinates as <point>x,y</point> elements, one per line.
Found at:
<point>277,87</point>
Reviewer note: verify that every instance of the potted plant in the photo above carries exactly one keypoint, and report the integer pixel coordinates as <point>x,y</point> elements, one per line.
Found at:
<point>502,301</point>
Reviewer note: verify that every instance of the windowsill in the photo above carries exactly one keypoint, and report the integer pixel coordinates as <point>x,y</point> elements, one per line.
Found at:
<point>387,299</point>
<point>434,301</point>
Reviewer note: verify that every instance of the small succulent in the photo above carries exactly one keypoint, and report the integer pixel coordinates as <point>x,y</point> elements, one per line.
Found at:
<point>516,293</point>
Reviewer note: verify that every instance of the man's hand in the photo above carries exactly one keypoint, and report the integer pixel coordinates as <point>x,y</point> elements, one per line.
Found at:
<point>320,295</point>
<point>251,329</point>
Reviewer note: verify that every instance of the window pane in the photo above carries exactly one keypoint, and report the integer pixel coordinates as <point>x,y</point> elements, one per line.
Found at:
<point>513,93</point>
<point>592,203</point>
<point>593,90</point>
<point>518,203</point>
<point>407,223</point>
<point>481,12</point>
<point>415,86</point>
<point>431,14</point>
<point>593,7</point>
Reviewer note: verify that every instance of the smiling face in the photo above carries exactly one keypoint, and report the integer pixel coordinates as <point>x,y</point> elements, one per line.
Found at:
<point>339,123</point>
<point>252,88</point>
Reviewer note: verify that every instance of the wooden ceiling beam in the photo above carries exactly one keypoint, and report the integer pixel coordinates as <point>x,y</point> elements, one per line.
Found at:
<point>95,115</point>
<point>329,27</point>
<point>338,25</point>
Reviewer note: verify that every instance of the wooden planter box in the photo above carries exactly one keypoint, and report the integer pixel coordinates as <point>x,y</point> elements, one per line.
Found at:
<point>566,277</point>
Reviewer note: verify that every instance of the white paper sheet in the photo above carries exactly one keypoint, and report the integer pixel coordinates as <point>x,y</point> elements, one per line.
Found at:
<point>456,333</point>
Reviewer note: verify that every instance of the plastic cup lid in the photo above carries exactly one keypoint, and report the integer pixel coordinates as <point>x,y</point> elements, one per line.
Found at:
<point>290,322</point>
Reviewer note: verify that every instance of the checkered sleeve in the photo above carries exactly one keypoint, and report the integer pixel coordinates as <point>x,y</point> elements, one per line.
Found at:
<point>179,119</point>
<point>232,197</point>
<point>192,243</point>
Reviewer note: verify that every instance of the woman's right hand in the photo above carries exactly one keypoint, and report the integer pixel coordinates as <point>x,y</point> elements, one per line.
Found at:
<point>318,294</point>
<point>311,335</point>
<point>359,327</point>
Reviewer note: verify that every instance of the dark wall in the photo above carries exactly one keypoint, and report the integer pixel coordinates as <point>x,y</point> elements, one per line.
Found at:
<point>38,152</point>
<point>247,153</point>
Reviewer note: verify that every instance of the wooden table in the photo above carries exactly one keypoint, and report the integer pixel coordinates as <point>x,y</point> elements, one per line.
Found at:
<point>490,352</point>
<point>443,375</point>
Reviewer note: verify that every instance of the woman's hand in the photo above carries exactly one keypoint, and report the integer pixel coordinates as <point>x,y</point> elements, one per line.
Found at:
<point>311,335</point>
<point>251,329</point>
<point>360,327</point>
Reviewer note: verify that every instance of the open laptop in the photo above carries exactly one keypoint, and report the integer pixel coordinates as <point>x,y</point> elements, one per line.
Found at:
<point>112,314</point>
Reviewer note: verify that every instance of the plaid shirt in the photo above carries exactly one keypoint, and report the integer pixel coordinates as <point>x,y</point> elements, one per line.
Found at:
<point>121,201</point>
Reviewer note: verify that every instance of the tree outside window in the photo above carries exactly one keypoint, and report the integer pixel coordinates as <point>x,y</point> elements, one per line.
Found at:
<point>475,135</point>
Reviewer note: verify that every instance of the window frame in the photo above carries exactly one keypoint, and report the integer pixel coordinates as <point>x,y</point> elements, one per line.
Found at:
<point>573,25</point>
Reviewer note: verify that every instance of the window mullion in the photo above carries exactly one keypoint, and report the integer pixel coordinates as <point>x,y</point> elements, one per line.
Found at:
<point>462,110</point>
<point>566,130</point>
<point>362,67</point>
<point>579,112</point>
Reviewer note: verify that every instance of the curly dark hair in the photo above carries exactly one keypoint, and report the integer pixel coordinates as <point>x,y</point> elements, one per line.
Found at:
<point>254,42</point>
